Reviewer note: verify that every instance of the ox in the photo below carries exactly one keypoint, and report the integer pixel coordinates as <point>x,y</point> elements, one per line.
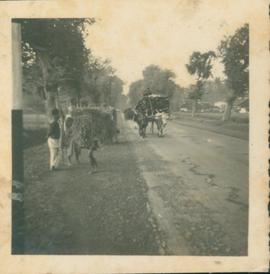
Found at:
<point>142,122</point>
<point>161,122</point>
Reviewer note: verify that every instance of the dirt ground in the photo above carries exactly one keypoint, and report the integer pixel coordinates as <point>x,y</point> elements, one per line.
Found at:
<point>183,194</point>
<point>72,212</point>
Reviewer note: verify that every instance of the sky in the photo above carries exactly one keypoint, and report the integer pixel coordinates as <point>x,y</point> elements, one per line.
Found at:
<point>136,33</point>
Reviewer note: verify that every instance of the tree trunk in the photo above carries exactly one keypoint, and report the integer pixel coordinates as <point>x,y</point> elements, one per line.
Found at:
<point>50,103</point>
<point>194,108</point>
<point>49,98</point>
<point>228,111</point>
<point>44,70</point>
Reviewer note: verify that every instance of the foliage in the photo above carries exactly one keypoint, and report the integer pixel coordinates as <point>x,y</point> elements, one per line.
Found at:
<point>214,90</point>
<point>56,63</point>
<point>103,86</point>
<point>234,53</point>
<point>201,66</point>
<point>157,80</point>
<point>136,92</point>
<point>54,48</point>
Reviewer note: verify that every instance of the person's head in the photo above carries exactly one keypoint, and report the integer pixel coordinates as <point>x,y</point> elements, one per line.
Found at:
<point>55,114</point>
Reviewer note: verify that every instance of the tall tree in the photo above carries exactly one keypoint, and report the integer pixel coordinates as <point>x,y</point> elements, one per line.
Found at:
<point>92,75</point>
<point>103,86</point>
<point>234,53</point>
<point>56,49</point>
<point>158,81</point>
<point>200,64</point>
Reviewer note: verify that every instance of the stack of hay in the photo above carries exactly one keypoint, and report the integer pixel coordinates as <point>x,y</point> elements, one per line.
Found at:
<point>151,104</point>
<point>90,123</point>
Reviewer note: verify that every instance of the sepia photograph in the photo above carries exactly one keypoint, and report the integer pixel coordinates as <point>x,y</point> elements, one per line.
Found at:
<point>132,131</point>
<point>119,164</point>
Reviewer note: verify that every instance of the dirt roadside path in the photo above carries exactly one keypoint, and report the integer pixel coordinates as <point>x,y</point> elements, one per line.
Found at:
<point>232,129</point>
<point>73,212</point>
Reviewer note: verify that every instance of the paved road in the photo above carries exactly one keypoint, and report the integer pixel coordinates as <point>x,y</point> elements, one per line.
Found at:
<point>198,189</point>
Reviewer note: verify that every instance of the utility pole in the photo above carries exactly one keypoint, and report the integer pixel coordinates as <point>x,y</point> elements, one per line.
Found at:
<point>17,144</point>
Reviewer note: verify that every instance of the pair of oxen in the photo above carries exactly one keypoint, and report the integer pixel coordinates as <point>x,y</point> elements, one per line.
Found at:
<point>159,119</point>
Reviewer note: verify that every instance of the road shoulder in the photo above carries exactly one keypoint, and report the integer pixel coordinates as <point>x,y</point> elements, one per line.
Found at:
<point>73,212</point>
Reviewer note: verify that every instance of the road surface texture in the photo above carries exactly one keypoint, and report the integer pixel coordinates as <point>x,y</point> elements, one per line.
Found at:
<point>198,189</point>
<point>183,194</point>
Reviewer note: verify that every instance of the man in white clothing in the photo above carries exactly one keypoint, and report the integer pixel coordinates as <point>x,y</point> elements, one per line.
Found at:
<point>54,140</point>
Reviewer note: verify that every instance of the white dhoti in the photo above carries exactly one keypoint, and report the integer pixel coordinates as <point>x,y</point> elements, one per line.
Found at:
<point>54,147</point>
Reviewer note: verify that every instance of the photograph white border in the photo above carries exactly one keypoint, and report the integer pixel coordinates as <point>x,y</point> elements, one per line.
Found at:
<point>258,254</point>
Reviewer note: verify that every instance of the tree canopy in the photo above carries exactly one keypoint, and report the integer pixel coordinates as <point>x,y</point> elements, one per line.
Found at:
<point>57,46</point>
<point>234,53</point>
<point>200,64</point>
<point>157,80</point>
<point>56,60</point>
